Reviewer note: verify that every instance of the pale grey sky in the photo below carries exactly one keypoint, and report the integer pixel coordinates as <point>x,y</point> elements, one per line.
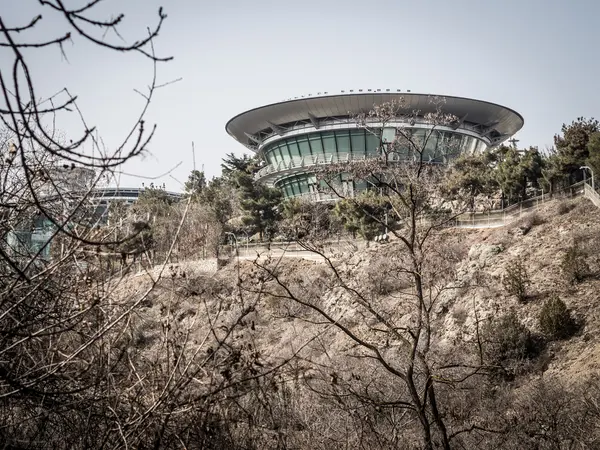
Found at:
<point>539,57</point>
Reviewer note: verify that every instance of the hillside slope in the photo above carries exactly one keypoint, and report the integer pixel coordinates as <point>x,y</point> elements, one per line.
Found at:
<point>245,310</point>
<point>540,243</point>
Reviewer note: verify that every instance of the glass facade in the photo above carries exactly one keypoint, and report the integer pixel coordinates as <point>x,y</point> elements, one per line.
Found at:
<point>341,145</point>
<point>306,184</point>
<point>439,146</point>
<point>30,239</point>
<point>301,184</point>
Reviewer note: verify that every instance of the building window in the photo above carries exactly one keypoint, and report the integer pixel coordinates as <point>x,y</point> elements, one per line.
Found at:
<point>317,146</point>
<point>357,138</point>
<point>329,147</point>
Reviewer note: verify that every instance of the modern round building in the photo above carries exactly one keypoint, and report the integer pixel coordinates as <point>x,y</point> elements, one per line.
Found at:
<point>296,135</point>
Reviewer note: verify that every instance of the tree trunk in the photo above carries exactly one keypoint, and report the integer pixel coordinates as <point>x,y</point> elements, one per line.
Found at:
<point>420,410</point>
<point>437,417</point>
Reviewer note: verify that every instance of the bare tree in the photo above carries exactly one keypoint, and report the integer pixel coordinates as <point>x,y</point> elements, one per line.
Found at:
<point>393,334</point>
<point>92,357</point>
<point>68,377</point>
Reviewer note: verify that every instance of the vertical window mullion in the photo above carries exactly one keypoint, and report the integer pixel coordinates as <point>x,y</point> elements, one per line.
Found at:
<point>288,149</point>
<point>335,141</point>
<point>350,150</point>
<point>309,144</point>
<point>298,147</point>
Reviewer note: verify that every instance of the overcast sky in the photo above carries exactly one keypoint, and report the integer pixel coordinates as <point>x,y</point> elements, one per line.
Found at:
<point>539,57</point>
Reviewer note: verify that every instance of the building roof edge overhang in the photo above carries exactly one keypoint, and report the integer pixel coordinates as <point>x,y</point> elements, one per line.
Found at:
<point>506,120</point>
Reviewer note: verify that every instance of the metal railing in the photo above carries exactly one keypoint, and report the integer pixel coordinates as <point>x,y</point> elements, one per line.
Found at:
<point>309,126</point>
<point>494,218</point>
<point>489,219</point>
<point>592,195</point>
<point>327,247</point>
<point>342,157</point>
<point>307,161</point>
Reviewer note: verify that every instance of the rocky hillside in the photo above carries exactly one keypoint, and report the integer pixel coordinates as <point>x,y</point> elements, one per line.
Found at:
<point>270,315</point>
<point>539,241</point>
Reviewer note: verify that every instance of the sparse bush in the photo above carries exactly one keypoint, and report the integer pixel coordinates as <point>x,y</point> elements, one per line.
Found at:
<point>555,319</point>
<point>563,208</point>
<point>573,265</point>
<point>527,222</point>
<point>460,315</point>
<point>497,249</point>
<point>509,346</point>
<point>516,281</point>
<point>508,339</point>
<point>534,219</point>
<point>383,276</point>
<point>546,414</point>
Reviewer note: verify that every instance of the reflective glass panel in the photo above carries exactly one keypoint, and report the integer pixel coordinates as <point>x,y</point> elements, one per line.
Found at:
<point>388,135</point>
<point>472,145</point>
<point>360,185</point>
<point>358,142</point>
<point>274,155</point>
<point>293,148</point>
<point>304,148</point>
<point>285,153</point>
<point>269,155</point>
<point>429,153</point>
<point>303,185</point>
<point>316,145</point>
<point>372,143</point>
<point>329,142</point>
<point>343,142</point>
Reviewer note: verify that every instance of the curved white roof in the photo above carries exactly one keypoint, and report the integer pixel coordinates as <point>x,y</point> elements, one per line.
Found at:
<point>504,120</point>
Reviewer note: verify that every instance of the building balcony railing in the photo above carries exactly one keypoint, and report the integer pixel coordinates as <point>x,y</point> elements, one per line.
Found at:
<point>295,163</point>
<point>320,196</point>
<point>309,161</point>
<point>350,122</point>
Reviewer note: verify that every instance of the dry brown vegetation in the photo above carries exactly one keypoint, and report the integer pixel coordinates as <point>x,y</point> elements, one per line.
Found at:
<point>518,383</point>
<point>413,344</point>
<point>242,357</point>
<point>286,378</point>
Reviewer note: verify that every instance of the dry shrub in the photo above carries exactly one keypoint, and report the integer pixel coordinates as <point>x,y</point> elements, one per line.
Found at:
<point>460,315</point>
<point>384,276</point>
<point>525,223</point>
<point>544,414</point>
<point>573,265</point>
<point>507,343</point>
<point>516,282</point>
<point>534,219</point>
<point>198,284</point>
<point>563,208</point>
<point>555,319</point>
<point>551,406</point>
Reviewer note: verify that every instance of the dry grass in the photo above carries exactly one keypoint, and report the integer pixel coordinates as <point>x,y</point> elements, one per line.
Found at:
<point>310,395</point>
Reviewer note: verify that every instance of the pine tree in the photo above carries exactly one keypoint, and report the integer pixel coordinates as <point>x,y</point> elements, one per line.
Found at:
<point>195,184</point>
